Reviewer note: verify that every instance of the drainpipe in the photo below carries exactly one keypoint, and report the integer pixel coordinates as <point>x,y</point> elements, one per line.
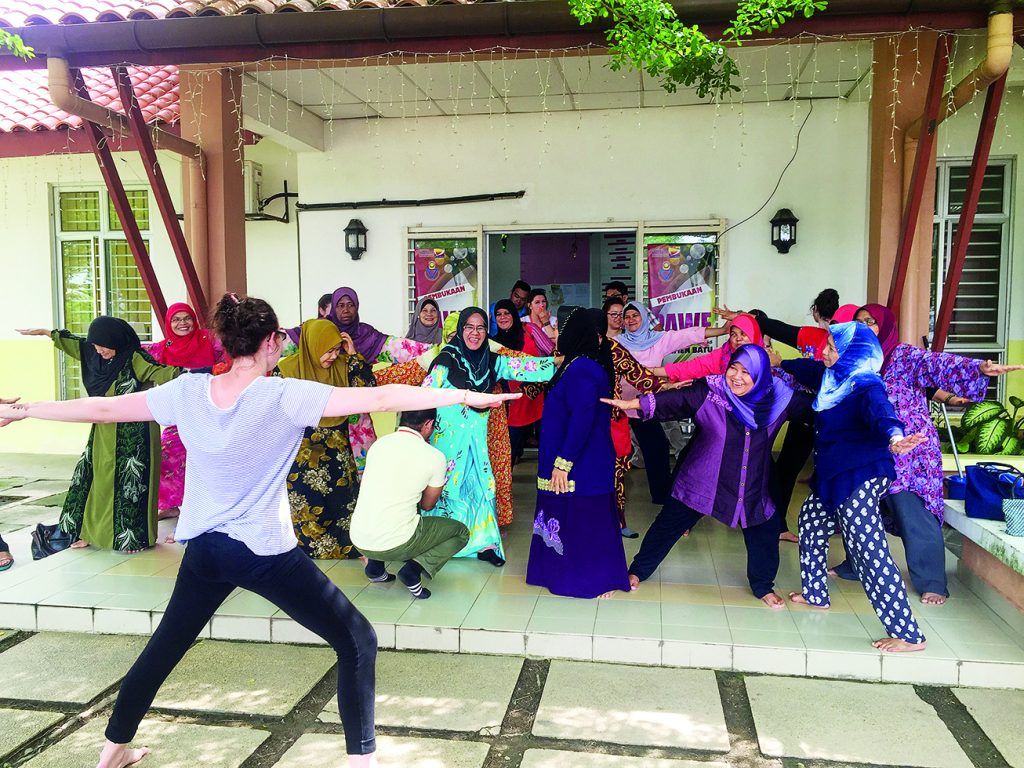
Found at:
<point>995,64</point>
<point>63,95</point>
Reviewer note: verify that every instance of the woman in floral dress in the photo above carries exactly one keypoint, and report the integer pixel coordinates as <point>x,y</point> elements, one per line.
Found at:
<point>461,432</point>
<point>323,484</point>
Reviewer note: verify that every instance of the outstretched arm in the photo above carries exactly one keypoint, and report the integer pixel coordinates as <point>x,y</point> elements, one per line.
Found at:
<point>88,410</point>
<point>346,401</point>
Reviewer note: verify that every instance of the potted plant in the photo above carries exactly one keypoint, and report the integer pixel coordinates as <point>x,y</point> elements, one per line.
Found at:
<point>988,428</point>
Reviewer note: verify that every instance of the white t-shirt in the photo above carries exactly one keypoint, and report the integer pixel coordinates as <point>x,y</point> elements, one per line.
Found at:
<point>399,467</point>
<point>239,457</point>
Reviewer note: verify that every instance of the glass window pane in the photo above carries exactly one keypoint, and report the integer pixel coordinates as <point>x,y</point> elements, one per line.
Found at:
<point>80,211</point>
<point>138,199</point>
<point>992,189</point>
<point>79,280</point>
<point>976,319</point>
<point>126,294</point>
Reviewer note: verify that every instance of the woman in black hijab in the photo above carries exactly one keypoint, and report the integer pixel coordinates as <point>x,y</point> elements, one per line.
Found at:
<point>112,500</point>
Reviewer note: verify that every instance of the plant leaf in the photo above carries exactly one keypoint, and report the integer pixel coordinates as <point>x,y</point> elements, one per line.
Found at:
<point>991,435</point>
<point>979,413</point>
<point>1016,402</point>
<point>1011,446</point>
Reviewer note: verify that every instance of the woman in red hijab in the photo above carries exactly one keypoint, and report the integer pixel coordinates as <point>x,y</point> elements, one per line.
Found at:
<point>187,346</point>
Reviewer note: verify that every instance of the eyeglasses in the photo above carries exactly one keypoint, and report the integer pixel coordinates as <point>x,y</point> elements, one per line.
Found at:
<point>475,328</point>
<point>614,314</point>
<point>869,321</point>
<point>281,335</point>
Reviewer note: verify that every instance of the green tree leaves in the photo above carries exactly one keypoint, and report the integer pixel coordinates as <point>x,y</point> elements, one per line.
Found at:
<point>15,45</point>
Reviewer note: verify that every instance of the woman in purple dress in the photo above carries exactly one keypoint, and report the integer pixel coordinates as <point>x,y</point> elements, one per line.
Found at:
<point>577,548</point>
<point>725,468</point>
<point>913,507</point>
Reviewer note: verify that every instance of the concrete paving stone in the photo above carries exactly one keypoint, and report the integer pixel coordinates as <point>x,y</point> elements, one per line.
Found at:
<point>553,758</point>
<point>247,678</point>
<point>173,745</point>
<point>392,752</point>
<point>857,726</point>
<point>18,726</point>
<point>440,690</point>
<point>632,705</point>
<point>1000,714</point>
<point>66,667</point>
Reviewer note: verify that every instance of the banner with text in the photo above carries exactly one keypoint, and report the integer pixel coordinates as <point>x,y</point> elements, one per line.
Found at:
<point>446,271</point>
<point>682,281</point>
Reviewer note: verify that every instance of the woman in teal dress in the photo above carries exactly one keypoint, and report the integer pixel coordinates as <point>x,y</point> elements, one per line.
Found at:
<point>112,501</point>
<point>460,432</point>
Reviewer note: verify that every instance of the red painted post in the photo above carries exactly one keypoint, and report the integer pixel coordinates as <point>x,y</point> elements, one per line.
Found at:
<point>993,99</point>
<point>101,148</point>
<point>140,133</point>
<point>922,163</point>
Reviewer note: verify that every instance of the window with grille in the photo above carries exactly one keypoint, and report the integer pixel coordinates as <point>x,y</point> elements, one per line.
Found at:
<point>96,269</point>
<point>978,325</point>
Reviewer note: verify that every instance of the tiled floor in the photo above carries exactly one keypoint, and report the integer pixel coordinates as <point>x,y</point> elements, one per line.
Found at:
<point>695,612</point>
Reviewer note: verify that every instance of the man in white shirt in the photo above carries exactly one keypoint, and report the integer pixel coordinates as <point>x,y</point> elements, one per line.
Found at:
<point>404,474</point>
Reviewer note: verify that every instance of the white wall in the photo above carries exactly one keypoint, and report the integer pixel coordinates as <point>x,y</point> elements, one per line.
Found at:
<point>595,167</point>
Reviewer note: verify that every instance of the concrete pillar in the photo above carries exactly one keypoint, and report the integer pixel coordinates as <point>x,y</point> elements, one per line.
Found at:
<point>211,113</point>
<point>899,88</point>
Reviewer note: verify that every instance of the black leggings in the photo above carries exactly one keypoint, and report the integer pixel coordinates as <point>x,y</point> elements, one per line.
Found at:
<point>676,518</point>
<point>657,461</point>
<point>797,446</point>
<point>214,564</point>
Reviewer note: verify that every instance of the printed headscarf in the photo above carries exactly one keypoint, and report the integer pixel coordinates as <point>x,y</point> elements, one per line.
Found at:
<point>427,334</point>
<point>192,351</point>
<point>860,360</point>
<point>475,370</point>
<point>642,338</point>
<point>316,338</point>
<point>368,340</point>
<point>768,397</point>
<point>888,329</point>
<point>514,336</point>
<point>113,333</point>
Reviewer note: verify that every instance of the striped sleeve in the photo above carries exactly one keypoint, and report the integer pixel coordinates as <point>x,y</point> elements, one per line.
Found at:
<point>304,402</point>
<point>163,400</point>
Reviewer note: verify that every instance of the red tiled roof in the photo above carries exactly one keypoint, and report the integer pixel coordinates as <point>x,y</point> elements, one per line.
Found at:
<point>23,13</point>
<point>25,104</point>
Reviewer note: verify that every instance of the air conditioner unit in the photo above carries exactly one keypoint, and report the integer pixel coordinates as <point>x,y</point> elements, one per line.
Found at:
<point>252,179</point>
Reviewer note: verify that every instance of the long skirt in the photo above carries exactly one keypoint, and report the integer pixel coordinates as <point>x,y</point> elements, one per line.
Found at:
<point>172,470</point>
<point>576,549</point>
<point>499,448</point>
<point>322,490</point>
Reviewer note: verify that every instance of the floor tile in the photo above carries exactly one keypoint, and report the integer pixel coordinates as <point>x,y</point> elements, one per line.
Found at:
<point>492,641</point>
<point>217,676</point>
<point>560,646</point>
<point>18,726</point>
<point>551,758</point>
<point>173,745</point>
<point>49,666</point>
<point>1000,714</point>
<point>427,638</point>
<point>679,708</point>
<point>442,691</point>
<point>694,615</point>
<point>392,752</point>
<point>857,725</point>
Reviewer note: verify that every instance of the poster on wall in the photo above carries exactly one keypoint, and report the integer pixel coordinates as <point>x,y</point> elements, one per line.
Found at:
<point>682,281</point>
<point>446,271</point>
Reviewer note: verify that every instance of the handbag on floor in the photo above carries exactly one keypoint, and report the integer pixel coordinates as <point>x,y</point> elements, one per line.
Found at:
<point>988,485</point>
<point>48,540</point>
<point>1013,508</point>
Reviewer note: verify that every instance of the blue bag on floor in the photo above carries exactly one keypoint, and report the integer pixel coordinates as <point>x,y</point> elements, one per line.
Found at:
<point>988,484</point>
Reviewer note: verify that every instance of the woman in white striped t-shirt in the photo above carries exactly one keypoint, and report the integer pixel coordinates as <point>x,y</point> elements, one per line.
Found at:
<point>242,431</point>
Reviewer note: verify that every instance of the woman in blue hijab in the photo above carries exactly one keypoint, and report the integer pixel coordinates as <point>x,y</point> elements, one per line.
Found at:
<point>856,435</point>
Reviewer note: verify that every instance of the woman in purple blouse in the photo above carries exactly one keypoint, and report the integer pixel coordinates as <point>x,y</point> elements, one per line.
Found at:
<point>913,503</point>
<point>725,468</point>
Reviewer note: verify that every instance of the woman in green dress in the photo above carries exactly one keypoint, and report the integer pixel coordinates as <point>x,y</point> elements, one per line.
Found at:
<point>324,482</point>
<point>112,500</point>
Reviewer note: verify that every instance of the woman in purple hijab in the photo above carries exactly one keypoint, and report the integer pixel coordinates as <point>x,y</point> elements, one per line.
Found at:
<point>724,470</point>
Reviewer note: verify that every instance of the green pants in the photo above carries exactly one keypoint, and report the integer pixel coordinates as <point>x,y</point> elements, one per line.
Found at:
<point>434,543</point>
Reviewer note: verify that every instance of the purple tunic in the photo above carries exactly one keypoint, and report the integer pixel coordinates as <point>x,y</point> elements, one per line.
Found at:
<point>725,469</point>
<point>909,372</point>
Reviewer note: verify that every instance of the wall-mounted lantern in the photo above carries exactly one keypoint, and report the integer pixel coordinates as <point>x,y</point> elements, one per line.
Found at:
<point>783,230</point>
<point>355,239</point>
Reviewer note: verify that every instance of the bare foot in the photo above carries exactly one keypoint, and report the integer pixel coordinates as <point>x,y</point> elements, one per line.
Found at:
<point>364,560</point>
<point>168,514</point>
<point>362,761</point>
<point>119,756</point>
<point>832,572</point>
<point>170,540</point>
<point>686,535</point>
<point>80,544</point>
<point>895,645</point>
<point>796,597</point>
<point>933,598</point>
<point>773,601</point>
<point>634,583</point>
<point>607,595</point>
<point>789,536</point>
